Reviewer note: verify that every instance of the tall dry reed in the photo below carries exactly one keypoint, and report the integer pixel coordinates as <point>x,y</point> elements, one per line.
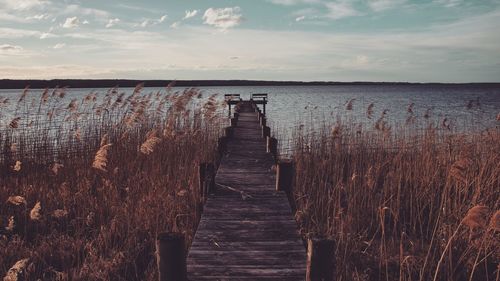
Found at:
<point>402,204</point>
<point>86,184</point>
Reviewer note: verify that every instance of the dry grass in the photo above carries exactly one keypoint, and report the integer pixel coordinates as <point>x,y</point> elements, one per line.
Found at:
<point>87,184</point>
<point>402,204</point>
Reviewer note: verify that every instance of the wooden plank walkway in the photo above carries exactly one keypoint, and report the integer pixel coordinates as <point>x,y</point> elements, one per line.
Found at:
<point>247,230</point>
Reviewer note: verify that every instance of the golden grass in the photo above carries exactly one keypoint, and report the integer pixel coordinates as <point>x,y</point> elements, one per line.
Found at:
<point>86,184</point>
<point>402,204</point>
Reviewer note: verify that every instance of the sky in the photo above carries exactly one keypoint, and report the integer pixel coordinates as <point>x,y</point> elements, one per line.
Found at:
<point>306,40</point>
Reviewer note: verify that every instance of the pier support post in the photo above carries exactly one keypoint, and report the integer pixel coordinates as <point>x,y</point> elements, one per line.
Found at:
<point>206,179</point>
<point>285,173</point>
<point>202,171</point>
<point>266,132</point>
<point>320,260</point>
<point>272,146</point>
<point>234,121</point>
<point>171,257</point>
<point>221,146</point>
<point>228,132</point>
<point>263,121</point>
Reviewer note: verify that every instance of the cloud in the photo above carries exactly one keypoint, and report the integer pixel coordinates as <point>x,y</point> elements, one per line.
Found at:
<point>46,35</point>
<point>71,22</point>
<point>6,32</point>
<point>79,10</point>
<point>190,14</point>
<point>449,3</point>
<point>8,47</point>
<point>223,18</point>
<point>382,5</point>
<point>151,22</point>
<point>112,22</point>
<point>39,17</point>
<point>175,25</point>
<point>340,9</point>
<point>300,18</point>
<point>23,5</point>
<point>59,46</point>
<point>293,2</point>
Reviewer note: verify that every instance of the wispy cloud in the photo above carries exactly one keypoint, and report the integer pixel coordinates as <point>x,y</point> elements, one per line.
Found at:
<point>79,10</point>
<point>71,22</point>
<point>449,3</point>
<point>39,17</point>
<point>223,18</point>
<point>10,33</point>
<point>340,9</point>
<point>293,2</point>
<point>300,18</point>
<point>46,35</point>
<point>382,5</point>
<point>152,22</point>
<point>59,46</point>
<point>175,25</point>
<point>23,5</point>
<point>112,22</point>
<point>190,14</point>
<point>8,47</point>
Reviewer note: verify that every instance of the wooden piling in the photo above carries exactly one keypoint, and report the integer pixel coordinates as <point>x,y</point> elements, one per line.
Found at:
<point>320,260</point>
<point>272,146</point>
<point>263,121</point>
<point>171,257</point>
<point>285,174</point>
<point>266,132</point>
<point>260,116</point>
<point>210,179</point>
<point>202,170</point>
<point>228,132</point>
<point>221,146</point>
<point>234,121</point>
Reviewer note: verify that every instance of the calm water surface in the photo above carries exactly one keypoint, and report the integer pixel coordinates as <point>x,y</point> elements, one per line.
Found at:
<point>464,106</point>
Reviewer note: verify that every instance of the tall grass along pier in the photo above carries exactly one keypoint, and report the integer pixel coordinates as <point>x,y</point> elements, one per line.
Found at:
<point>247,230</point>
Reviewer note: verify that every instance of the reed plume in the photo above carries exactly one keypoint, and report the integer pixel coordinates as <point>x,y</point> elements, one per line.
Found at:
<point>101,157</point>
<point>17,200</point>
<point>17,271</point>
<point>35,212</point>
<point>476,217</point>
<point>152,140</point>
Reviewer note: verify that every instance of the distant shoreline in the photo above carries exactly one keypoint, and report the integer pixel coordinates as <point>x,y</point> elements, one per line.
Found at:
<point>126,83</point>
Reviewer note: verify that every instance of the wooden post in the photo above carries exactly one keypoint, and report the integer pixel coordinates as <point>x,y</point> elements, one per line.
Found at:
<point>285,173</point>
<point>171,257</point>
<point>263,121</point>
<point>202,171</point>
<point>229,132</point>
<point>236,115</point>
<point>210,179</point>
<point>272,146</point>
<point>222,146</point>
<point>320,260</point>
<point>266,131</point>
<point>233,122</point>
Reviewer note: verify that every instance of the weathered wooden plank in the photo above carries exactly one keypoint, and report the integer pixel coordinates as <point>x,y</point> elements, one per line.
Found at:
<point>247,230</point>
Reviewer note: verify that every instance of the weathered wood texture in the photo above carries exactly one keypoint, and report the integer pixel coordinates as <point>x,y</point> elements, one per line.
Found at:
<point>247,230</point>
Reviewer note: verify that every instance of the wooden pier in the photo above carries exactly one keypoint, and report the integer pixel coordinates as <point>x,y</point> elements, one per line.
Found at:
<point>247,230</point>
